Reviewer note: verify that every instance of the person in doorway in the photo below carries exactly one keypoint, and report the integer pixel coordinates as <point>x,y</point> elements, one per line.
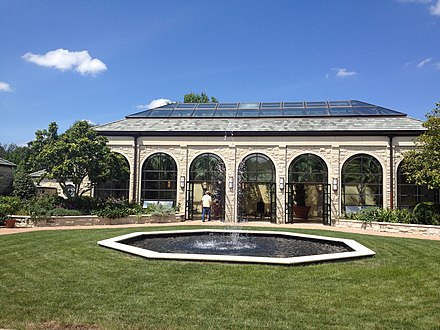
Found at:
<point>260,208</point>
<point>206,206</point>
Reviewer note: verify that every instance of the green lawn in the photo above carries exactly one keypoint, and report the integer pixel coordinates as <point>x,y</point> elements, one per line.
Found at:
<point>64,280</point>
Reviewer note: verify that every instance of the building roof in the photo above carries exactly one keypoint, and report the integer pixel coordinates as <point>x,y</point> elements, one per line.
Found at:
<point>37,174</point>
<point>5,162</point>
<point>317,118</point>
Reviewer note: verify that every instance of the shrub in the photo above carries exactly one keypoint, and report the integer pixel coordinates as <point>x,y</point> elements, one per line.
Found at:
<point>159,210</point>
<point>367,215</point>
<point>112,212</point>
<point>84,204</point>
<point>40,207</point>
<point>427,213</point>
<point>24,187</point>
<point>424,213</point>
<point>10,205</point>
<point>59,212</point>
<point>112,208</point>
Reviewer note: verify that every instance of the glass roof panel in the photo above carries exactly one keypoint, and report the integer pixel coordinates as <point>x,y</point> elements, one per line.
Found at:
<point>368,111</point>
<point>316,104</point>
<point>266,105</point>
<point>225,113</point>
<point>181,113</point>
<point>207,106</point>
<point>293,104</point>
<point>317,112</point>
<point>294,112</point>
<point>169,105</point>
<point>385,111</point>
<point>141,114</point>
<point>227,105</point>
<point>271,113</point>
<point>339,103</point>
<point>249,106</point>
<point>248,113</point>
<point>186,105</point>
<point>342,111</point>
<point>203,113</point>
<point>356,103</point>
<point>160,113</point>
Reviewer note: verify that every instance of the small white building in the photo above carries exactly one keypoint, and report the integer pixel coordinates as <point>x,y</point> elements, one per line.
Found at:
<point>333,156</point>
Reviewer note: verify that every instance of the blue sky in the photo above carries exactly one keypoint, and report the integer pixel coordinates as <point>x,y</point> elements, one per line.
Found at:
<point>101,60</point>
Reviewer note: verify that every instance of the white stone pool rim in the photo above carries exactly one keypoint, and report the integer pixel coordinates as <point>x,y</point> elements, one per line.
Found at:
<point>358,249</point>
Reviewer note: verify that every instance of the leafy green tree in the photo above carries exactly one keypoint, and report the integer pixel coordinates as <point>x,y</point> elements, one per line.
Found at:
<point>198,98</point>
<point>422,165</point>
<point>24,187</point>
<point>42,138</point>
<point>74,156</point>
<point>14,153</point>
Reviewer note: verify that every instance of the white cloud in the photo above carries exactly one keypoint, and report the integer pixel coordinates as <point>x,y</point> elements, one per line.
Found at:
<point>343,72</point>
<point>154,104</point>
<point>65,60</point>
<point>5,87</point>
<point>414,1</point>
<point>424,62</point>
<point>435,9</point>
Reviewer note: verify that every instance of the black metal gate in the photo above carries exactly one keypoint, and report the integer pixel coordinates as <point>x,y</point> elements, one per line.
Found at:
<point>290,194</point>
<point>189,202</point>
<point>326,205</point>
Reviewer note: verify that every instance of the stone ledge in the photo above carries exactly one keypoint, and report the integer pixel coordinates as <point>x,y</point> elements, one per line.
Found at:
<point>389,227</point>
<point>91,220</point>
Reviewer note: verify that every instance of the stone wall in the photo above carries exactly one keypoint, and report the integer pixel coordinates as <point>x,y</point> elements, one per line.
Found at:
<point>425,230</point>
<point>91,220</point>
<point>334,150</point>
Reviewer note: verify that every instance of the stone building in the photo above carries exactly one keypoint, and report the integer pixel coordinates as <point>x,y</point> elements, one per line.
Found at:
<point>333,157</point>
<point>6,176</point>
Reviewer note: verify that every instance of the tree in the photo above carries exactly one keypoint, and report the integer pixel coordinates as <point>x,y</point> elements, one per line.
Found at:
<point>24,187</point>
<point>13,153</point>
<point>422,165</point>
<point>73,156</point>
<point>198,98</point>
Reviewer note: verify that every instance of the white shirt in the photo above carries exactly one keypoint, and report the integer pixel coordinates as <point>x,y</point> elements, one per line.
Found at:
<point>206,200</point>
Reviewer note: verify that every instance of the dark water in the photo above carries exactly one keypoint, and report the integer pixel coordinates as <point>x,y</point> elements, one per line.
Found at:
<point>256,245</point>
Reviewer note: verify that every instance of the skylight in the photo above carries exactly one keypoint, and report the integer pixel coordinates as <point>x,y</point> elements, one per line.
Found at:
<point>267,110</point>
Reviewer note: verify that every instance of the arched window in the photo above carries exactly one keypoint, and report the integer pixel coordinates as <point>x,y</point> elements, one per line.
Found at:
<point>256,168</point>
<point>410,194</point>
<point>159,179</point>
<point>256,188</point>
<point>116,188</point>
<point>207,167</point>
<point>362,182</point>
<point>308,168</point>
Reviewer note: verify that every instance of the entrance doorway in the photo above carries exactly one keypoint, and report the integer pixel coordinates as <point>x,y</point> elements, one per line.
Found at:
<point>256,200</point>
<point>308,191</point>
<point>207,173</point>
<point>316,206</point>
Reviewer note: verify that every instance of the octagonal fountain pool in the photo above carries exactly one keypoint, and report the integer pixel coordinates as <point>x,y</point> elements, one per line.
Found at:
<point>237,246</point>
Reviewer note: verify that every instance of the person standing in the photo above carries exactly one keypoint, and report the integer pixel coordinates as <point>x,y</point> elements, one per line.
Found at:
<point>206,206</point>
